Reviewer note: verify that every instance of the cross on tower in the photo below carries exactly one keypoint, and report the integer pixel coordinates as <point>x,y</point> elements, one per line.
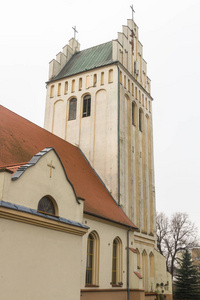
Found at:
<point>51,167</point>
<point>132,11</point>
<point>75,31</point>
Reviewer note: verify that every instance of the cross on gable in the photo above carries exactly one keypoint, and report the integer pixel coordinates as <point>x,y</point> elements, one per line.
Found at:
<point>75,31</point>
<point>51,167</point>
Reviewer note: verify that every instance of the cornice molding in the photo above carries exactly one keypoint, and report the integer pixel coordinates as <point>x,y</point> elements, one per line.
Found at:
<point>34,220</point>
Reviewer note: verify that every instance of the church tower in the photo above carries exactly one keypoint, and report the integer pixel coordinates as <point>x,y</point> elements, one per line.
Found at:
<point>100,100</point>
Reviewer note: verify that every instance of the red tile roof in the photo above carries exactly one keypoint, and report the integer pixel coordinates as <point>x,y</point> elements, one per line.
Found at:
<point>20,140</point>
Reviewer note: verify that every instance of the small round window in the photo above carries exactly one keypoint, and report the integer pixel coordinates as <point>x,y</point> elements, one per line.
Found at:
<point>45,205</point>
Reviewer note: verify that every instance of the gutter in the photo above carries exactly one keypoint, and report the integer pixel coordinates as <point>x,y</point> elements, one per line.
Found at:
<point>128,285</point>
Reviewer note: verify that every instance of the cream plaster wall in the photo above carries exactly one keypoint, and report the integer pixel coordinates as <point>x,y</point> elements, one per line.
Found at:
<point>161,275</point>
<point>36,182</point>
<point>107,233</point>
<point>96,135</point>
<point>38,263</point>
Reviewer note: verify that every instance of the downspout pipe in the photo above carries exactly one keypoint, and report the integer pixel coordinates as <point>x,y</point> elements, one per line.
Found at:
<point>128,279</point>
<point>118,130</point>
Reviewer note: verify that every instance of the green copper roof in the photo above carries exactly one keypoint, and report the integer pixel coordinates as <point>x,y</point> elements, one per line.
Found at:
<point>87,59</point>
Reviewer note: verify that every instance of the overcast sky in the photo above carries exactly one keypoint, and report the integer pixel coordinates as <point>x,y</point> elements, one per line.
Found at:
<point>33,32</point>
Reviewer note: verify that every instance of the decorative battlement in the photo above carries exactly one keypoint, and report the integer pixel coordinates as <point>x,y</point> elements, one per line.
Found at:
<point>56,65</point>
<point>128,50</point>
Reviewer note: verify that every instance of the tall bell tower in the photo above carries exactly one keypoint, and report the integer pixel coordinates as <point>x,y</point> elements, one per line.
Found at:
<point>100,100</point>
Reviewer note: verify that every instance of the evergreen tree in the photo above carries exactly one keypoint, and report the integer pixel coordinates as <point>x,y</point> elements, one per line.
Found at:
<point>187,279</point>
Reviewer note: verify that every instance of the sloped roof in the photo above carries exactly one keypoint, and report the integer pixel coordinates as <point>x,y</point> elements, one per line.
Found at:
<point>36,213</point>
<point>87,59</point>
<point>20,140</point>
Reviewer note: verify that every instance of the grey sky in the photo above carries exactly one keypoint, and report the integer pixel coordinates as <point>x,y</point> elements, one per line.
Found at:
<point>32,33</point>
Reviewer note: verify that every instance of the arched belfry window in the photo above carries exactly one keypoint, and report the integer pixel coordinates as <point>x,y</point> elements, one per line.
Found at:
<point>72,109</point>
<point>46,205</point>
<point>92,264</point>
<point>117,262</point>
<point>86,106</point>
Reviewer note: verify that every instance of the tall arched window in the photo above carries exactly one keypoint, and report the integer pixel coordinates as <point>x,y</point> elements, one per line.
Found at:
<point>46,205</point>
<point>117,262</point>
<point>138,260</point>
<point>152,265</point>
<point>72,109</point>
<point>92,264</point>
<point>145,270</point>
<point>86,106</point>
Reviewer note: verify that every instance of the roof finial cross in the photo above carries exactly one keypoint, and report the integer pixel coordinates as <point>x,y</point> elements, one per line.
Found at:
<point>132,11</point>
<point>75,31</point>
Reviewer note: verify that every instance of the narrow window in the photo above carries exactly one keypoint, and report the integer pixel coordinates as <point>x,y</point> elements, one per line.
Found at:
<point>146,103</point>
<point>117,262</point>
<point>138,260</point>
<point>102,78</point>
<point>139,96</point>
<point>80,84</point>
<point>66,87</point>
<point>90,260</point>
<point>149,106</point>
<point>92,264</point>
<point>110,76</point>
<point>72,109</point>
<point>114,263</point>
<point>121,56</point>
<point>145,270</point>
<point>128,85</point>
<point>125,81</point>
<point>136,96</point>
<point>143,99</point>
<point>87,81</point>
<point>132,89</point>
<point>73,86</point>
<point>120,77</point>
<point>52,91</point>
<point>152,265</point>
<point>86,106</point>
<point>95,80</point>
<point>45,205</point>
<point>140,119</point>
<point>133,113</point>
<point>59,89</point>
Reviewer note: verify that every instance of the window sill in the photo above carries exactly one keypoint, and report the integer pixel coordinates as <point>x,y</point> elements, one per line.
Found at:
<point>117,285</point>
<point>91,285</point>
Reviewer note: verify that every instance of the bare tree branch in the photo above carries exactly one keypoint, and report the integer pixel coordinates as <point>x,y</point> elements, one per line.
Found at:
<point>174,235</point>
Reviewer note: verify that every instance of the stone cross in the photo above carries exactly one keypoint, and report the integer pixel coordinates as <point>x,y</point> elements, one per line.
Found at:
<point>51,167</point>
<point>132,11</point>
<point>75,31</point>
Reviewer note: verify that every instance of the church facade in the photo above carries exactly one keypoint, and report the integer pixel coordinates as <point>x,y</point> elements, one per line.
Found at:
<point>95,170</point>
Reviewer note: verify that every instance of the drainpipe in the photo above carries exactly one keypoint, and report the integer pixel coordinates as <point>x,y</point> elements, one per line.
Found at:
<point>118,134</point>
<point>128,288</point>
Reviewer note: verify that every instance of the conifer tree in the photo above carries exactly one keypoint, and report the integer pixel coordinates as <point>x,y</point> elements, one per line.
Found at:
<point>187,279</point>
